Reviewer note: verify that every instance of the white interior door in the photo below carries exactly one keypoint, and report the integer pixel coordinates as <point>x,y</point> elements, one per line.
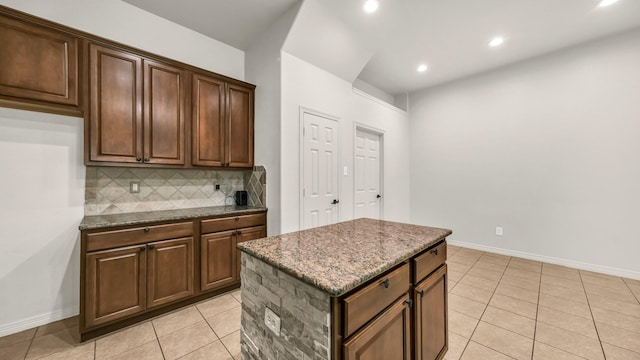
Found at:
<point>320,171</point>
<point>367,173</point>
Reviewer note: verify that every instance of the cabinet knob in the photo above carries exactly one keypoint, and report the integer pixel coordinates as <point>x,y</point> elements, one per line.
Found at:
<point>151,247</point>
<point>421,292</point>
<point>237,219</point>
<point>386,283</point>
<point>147,160</point>
<point>409,303</point>
<point>143,248</point>
<point>434,252</point>
<point>146,229</point>
<point>138,159</point>
<point>239,232</point>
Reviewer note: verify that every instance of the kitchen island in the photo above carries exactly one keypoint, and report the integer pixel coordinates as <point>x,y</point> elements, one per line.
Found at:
<point>353,290</point>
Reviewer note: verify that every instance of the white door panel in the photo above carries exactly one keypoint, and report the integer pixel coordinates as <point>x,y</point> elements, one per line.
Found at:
<point>367,174</point>
<point>320,171</point>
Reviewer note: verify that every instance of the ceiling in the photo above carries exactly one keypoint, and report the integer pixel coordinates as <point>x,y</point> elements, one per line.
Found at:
<point>450,36</point>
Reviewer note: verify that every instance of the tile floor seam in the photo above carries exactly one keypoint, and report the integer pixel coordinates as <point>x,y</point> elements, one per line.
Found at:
<point>631,291</point>
<point>475,327</point>
<point>593,319</point>
<point>620,347</point>
<point>157,339</point>
<point>31,343</point>
<point>557,348</point>
<point>492,349</point>
<point>568,351</point>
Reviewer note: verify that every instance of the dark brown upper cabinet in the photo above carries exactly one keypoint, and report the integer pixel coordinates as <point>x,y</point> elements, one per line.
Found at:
<point>38,67</point>
<point>222,120</point>
<point>136,109</point>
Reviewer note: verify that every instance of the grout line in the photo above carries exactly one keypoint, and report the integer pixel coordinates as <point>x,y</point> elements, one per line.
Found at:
<point>535,324</point>
<point>631,291</point>
<point>593,319</point>
<point>157,339</point>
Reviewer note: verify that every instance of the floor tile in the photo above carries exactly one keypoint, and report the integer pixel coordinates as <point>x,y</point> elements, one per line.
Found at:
<point>237,295</point>
<point>611,282</point>
<point>567,321</point>
<point>217,305</point>
<point>457,344</point>
<point>485,274</point>
<point>533,267</point>
<point>514,305</point>
<point>569,341</point>
<point>475,351</point>
<point>15,351</point>
<point>461,268</point>
<point>85,351</point>
<point>473,293</point>
<point>462,260</point>
<point>455,275</point>
<point>213,351</point>
<point>561,273</point>
<point>461,324</point>
<point>568,306</point>
<point>616,319</point>
<point>542,351</point>
<point>533,285</point>
<point>451,284</point>
<point>54,343</point>
<point>562,282</point>
<point>176,321</point>
<point>495,259</point>
<point>510,321</point>
<point>466,306</point>
<point>19,337</point>
<point>615,305</point>
<point>615,353</point>
<point>226,322</point>
<point>522,273</point>
<point>232,343</point>
<point>148,351</point>
<point>119,342</point>
<point>489,266</point>
<point>189,339</point>
<point>503,341</point>
<point>563,292</point>
<point>623,294</point>
<point>479,282</point>
<point>471,253</point>
<point>619,337</point>
<point>518,293</point>
<point>57,326</point>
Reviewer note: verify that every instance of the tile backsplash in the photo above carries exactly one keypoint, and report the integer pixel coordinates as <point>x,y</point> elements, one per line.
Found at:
<point>108,189</point>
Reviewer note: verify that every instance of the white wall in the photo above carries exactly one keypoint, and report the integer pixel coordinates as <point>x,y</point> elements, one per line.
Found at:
<point>305,85</point>
<point>548,149</point>
<point>127,24</point>
<point>42,192</point>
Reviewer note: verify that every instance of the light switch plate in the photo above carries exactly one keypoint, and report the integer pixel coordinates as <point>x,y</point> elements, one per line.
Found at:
<point>272,321</point>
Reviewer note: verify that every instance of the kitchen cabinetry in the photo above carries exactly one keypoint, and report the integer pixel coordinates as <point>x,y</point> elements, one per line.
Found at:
<point>220,259</point>
<point>431,316</point>
<point>38,66</point>
<point>222,120</point>
<point>136,109</point>
<point>128,271</point>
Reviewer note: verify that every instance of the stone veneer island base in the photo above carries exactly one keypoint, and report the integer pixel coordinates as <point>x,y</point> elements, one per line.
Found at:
<point>361,289</point>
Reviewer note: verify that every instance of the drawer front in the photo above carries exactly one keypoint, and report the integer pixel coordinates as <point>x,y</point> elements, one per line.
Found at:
<point>368,302</point>
<point>232,222</point>
<point>430,260</point>
<point>138,235</point>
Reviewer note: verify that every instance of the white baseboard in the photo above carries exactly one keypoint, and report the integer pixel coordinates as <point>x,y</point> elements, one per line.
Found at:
<point>38,320</point>
<point>552,260</point>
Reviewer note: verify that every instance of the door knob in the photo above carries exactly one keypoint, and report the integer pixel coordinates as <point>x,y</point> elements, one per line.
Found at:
<point>378,196</point>
<point>335,201</point>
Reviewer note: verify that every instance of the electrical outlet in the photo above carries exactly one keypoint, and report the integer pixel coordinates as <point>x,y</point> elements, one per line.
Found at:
<point>217,187</point>
<point>272,321</point>
<point>134,187</point>
<point>499,231</point>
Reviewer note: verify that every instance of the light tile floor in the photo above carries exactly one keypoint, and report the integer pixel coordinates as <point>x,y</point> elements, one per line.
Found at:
<point>500,307</point>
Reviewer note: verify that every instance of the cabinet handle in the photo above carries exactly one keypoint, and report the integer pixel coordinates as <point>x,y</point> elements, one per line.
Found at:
<point>239,232</point>
<point>237,219</point>
<point>434,252</point>
<point>409,303</point>
<point>151,247</point>
<point>146,229</point>
<point>138,159</point>
<point>421,292</point>
<point>143,248</point>
<point>147,160</point>
<point>386,283</point>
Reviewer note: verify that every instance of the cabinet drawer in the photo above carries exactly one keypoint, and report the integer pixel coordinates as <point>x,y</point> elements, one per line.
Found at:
<point>231,223</point>
<point>429,261</point>
<point>138,235</point>
<point>365,304</point>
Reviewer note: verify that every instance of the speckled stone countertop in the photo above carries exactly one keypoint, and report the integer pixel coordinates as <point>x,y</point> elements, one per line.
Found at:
<point>340,257</point>
<point>105,221</point>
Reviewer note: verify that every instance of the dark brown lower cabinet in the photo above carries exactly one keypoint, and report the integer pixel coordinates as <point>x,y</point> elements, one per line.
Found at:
<point>388,337</point>
<point>246,234</point>
<point>115,284</point>
<point>218,267</point>
<point>431,316</point>
<point>169,271</point>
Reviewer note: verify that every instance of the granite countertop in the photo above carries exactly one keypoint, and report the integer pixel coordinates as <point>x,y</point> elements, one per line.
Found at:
<point>340,257</point>
<point>105,221</point>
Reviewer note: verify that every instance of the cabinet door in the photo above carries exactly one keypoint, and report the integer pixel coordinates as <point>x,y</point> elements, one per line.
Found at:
<point>164,114</point>
<point>217,254</point>
<point>115,284</point>
<point>431,316</point>
<point>387,337</point>
<point>243,235</point>
<point>169,271</point>
<point>239,145</point>
<point>38,63</point>
<point>208,104</point>
<point>115,85</point>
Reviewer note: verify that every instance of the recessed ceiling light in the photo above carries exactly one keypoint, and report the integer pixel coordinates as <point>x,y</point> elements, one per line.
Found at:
<point>496,41</point>
<point>422,68</point>
<point>603,3</point>
<point>371,6</point>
